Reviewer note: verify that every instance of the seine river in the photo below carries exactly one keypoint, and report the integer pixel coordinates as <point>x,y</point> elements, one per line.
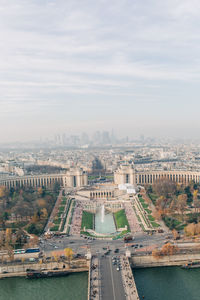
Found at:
<point>171,283</point>
<point>168,283</point>
<point>71,287</point>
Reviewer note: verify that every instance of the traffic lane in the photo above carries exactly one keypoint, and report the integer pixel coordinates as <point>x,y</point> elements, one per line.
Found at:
<point>111,281</point>
<point>106,281</point>
<point>118,284</point>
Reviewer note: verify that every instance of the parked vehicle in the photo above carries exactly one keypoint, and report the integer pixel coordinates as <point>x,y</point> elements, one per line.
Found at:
<point>128,238</point>
<point>32,250</point>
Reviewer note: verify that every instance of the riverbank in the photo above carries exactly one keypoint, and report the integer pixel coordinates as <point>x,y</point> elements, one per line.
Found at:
<point>148,261</point>
<point>9,271</point>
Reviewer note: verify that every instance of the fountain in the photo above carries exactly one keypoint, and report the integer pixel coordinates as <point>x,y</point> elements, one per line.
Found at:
<point>104,222</point>
<point>102,213</point>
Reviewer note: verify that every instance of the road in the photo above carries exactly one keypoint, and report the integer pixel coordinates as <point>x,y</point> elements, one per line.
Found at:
<point>80,245</point>
<point>111,281</point>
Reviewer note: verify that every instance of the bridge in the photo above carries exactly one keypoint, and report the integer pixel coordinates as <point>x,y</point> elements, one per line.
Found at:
<point>111,279</point>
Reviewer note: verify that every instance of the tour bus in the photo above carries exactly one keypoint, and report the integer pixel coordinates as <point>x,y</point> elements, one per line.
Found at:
<point>32,250</point>
<point>128,238</point>
<point>19,251</point>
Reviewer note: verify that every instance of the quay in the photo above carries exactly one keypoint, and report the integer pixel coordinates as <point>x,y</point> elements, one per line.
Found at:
<point>105,280</point>
<point>109,277</point>
<point>76,266</point>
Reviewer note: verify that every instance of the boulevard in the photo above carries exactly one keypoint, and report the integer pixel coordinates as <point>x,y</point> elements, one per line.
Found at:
<point>81,245</point>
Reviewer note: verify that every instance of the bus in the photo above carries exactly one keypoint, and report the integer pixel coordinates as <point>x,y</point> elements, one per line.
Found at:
<point>19,251</point>
<point>128,238</point>
<point>32,250</point>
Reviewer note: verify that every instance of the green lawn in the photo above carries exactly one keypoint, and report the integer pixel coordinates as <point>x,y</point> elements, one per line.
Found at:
<point>151,218</point>
<point>61,208</point>
<point>57,221</point>
<point>172,223</point>
<point>54,228</point>
<point>87,220</point>
<point>141,199</point>
<point>120,219</point>
<point>145,205</point>
<point>148,211</point>
<point>153,197</point>
<point>154,224</point>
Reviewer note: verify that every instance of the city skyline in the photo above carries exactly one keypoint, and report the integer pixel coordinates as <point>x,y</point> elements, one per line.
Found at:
<point>70,67</point>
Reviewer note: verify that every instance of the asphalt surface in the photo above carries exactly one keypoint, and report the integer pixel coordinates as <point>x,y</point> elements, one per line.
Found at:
<point>80,245</point>
<point>111,281</point>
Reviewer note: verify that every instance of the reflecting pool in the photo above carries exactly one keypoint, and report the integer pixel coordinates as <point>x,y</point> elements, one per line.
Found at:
<point>104,222</point>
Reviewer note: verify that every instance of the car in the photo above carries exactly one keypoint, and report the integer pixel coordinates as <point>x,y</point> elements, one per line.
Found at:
<point>56,247</point>
<point>32,259</point>
<point>71,242</point>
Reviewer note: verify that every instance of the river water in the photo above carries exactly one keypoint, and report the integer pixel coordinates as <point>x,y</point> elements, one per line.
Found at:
<point>168,283</point>
<point>71,287</point>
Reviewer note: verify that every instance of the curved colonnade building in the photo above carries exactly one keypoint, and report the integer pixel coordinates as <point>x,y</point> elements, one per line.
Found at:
<point>72,178</point>
<point>127,174</point>
<point>123,175</point>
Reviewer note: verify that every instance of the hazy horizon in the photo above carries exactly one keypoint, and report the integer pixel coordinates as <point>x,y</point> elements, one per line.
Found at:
<point>74,66</point>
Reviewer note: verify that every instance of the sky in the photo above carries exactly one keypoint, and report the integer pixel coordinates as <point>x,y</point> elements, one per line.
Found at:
<point>68,66</point>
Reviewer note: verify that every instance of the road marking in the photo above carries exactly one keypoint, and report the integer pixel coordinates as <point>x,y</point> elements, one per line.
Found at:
<point>112,280</point>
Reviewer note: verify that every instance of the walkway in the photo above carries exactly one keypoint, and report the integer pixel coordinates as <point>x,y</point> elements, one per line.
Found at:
<point>94,282</point>
<point>128,280</point>
<point>77,219</point>
<point>132,218</point>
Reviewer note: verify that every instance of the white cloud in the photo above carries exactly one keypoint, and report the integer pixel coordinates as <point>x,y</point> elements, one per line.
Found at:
<point>141,50</point>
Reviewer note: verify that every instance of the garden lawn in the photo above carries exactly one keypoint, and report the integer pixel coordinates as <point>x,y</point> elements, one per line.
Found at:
<point>87,220</point>
<point>120,219</point>
<point>154,224</point>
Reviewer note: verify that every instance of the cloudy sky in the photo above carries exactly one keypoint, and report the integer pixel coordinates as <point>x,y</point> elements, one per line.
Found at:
<point>81,65</point>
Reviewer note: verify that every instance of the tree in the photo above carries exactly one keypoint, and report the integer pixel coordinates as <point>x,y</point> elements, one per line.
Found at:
<point>196,201</point>
<point>165,188</point>
<point>190,229</point>
<point>69,254</point>
<point>56,187</point>
<point>189,194</point>
<point>169,249</point>
<point>35,218</point>
<point>20,238</point>
<point>156,254</point>
<point>2,191</point>
<point>182,203</point>
<point>40,191</point>
<point>175,234</point>
<point>44,213</point>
